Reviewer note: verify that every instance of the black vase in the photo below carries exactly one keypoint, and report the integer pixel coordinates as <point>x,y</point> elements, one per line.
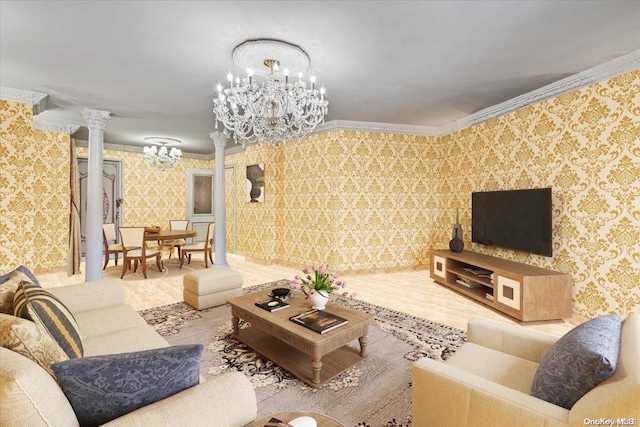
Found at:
<point>456,245</point>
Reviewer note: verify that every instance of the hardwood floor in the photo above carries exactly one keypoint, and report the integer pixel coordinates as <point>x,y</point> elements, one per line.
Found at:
<point>411,292</point>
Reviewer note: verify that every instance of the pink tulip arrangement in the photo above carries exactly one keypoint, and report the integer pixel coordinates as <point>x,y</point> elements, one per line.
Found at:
<point>321,280</point>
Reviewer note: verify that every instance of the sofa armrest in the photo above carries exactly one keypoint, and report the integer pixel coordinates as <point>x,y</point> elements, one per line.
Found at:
<point>519,342</point>
<point>447,396</point>
<point>90,295</point>
<point>226,400</point>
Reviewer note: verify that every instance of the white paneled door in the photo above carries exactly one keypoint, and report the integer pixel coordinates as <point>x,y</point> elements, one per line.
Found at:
<point>200,190</point>
<point>111,194</point>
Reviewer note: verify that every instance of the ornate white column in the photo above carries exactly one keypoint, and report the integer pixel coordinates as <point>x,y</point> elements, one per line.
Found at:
<point>219,209</point>
<point>96,122</point>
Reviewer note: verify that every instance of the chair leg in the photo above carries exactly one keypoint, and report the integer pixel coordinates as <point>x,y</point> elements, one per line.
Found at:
<point>189,259</point>
<point>116,256</point>
<point>124,268</point>
<point>206,259</point>
<point>181,258</point>
<point>211,256</point>
<point>158,262</point>
<point>106,259</point>
<point>135,266</point>
<point>144,267</point>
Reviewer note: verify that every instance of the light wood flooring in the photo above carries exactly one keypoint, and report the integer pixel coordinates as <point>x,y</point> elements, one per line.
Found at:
<point>411,292</point>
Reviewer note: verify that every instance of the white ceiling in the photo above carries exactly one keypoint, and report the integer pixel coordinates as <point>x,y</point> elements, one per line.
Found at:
<point>154,64</point>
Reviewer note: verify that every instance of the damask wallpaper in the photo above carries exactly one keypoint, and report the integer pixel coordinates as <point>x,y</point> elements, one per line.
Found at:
<point>364,201</point>
<point>151,196</point>
<point>34,191</point>
<point>586,146</point>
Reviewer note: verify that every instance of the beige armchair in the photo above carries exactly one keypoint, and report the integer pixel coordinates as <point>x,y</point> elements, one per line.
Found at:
<point>486,383</point>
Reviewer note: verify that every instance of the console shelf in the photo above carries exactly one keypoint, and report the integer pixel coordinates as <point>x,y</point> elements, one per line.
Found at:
<point>523,291</point>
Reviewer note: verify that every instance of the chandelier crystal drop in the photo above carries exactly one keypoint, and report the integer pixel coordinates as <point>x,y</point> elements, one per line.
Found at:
<point>276,110</point>
<point>162,158</point>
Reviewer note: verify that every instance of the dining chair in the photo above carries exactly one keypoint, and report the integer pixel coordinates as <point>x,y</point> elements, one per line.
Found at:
<point>134,248</point>
<point>205,247</point>
<point>108,236</point>
<point>176,224</point>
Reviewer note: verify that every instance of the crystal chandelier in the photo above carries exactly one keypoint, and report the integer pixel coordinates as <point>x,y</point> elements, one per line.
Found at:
<point>162,158</point>
<point>276,110</point>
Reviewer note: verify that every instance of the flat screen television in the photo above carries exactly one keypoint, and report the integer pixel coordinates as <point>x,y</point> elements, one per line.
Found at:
<point>514,219</point>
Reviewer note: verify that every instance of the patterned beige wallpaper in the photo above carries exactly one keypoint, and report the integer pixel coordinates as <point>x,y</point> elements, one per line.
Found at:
<point>368,200</point>
<point>34,191</point>
<point>586,146</point>
<point>151,196</point>
<point>365,201</point>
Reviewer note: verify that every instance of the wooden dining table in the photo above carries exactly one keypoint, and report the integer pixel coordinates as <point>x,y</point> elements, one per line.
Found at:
<point>169,235</point>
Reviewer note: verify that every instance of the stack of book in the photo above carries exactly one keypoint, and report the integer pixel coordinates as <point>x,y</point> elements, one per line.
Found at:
<point>468,283</point>
<point>480,272</point>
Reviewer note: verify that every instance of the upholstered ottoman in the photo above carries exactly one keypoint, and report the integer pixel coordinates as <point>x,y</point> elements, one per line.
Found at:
<point>211,287</point>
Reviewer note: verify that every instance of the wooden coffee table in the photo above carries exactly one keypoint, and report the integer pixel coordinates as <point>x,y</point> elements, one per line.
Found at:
<point>314,358</point>
<point>285,417</point>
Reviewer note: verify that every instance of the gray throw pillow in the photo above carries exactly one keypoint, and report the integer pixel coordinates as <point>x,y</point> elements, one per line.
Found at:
<point>102,388</point>
<point>9,284</point>
<point>579,361</point>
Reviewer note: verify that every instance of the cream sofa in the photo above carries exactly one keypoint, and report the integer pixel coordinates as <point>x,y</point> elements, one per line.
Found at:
<point>30,397</point>
<point>487,383</point>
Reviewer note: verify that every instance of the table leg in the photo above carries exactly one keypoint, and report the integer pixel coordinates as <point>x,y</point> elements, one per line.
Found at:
<point>363,345</point>
<point>316,365</point>
<point>235,321</point>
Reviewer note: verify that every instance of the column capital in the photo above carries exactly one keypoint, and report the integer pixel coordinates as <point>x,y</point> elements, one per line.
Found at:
<point>96,119</point>
<point>219,139</point>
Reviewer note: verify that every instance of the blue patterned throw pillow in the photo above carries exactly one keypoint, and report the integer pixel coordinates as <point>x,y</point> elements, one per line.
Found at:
<point>102,388</point>
<point>579,361</point>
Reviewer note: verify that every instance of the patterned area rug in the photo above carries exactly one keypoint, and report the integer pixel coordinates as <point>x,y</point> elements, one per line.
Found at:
<point>374,393</point>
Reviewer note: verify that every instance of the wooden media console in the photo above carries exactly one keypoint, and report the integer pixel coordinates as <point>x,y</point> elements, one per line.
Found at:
<point>523,291</point>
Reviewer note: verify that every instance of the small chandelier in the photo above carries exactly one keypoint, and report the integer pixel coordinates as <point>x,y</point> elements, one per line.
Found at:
<point>276,110</point>
<point>162,158</point>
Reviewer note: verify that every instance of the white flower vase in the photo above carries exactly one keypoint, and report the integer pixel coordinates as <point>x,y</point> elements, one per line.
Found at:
<point>319,301</point>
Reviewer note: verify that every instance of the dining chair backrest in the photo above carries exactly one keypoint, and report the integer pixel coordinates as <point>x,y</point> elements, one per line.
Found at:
<point>132,237</point>
<point>109,232</point>
<point>210,230</point>
<point>178,224</point>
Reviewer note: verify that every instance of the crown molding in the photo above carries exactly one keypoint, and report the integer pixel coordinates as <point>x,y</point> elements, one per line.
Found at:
<point>36,99</point>
<point>337,125</point>
<point>608,70</point>
<point>613,68</point>
<point>54,127</point>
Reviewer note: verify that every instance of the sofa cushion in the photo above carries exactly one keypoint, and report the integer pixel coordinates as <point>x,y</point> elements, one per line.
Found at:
<point>34,303</point>
<point>138,338</point>
<point>9,284</point>
<point>29,396</point>
<point>580,360</point>
<point>106,320</point>
<point>30,340</point>
<point>510,371</point>
<point>102,388</point>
